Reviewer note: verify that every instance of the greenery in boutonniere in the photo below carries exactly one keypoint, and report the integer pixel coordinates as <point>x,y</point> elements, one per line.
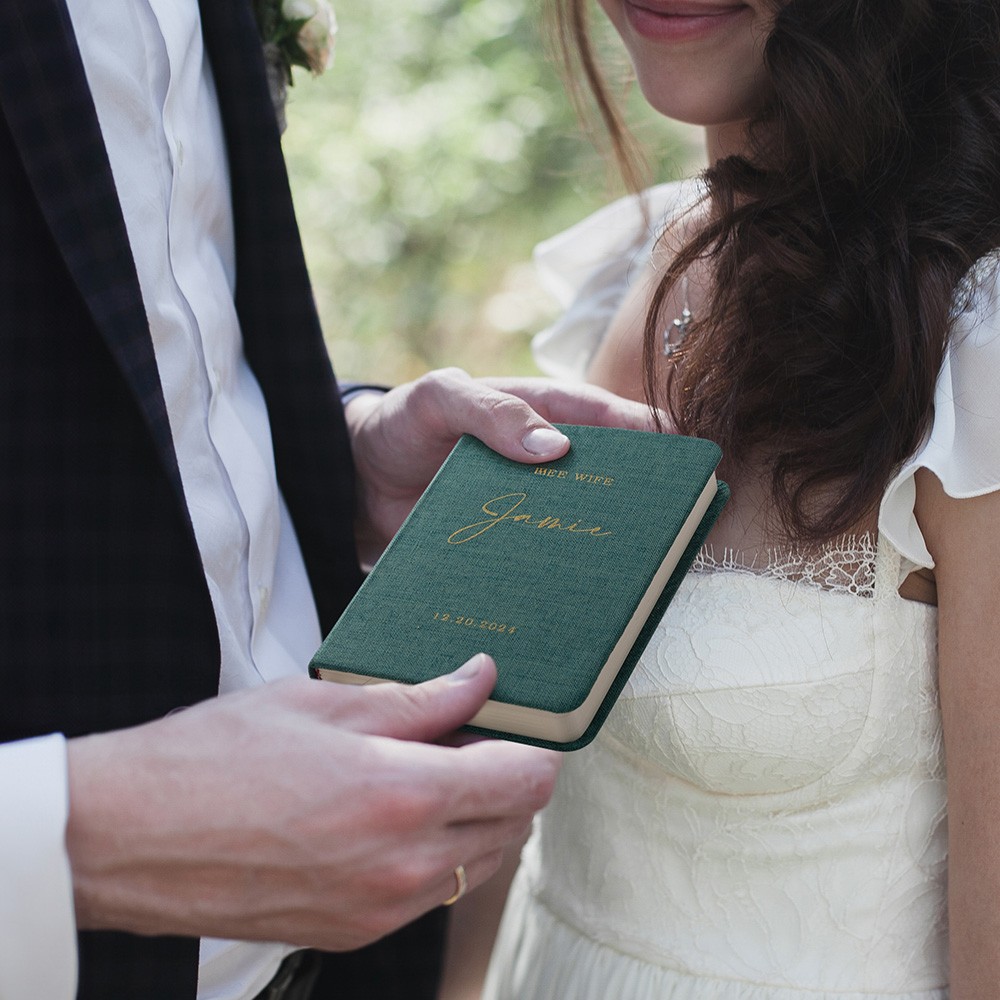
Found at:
<point>294,33</point>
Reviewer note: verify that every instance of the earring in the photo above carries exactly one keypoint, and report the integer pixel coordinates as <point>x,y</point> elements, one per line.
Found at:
<point>675,333</point>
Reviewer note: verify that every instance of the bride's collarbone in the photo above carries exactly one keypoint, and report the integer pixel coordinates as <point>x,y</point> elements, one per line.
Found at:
<point>748,534</point>
<point>738,545</point>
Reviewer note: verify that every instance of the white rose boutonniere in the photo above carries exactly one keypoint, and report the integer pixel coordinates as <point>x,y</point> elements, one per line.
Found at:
<point>294,33</point>
<point>315,27</point>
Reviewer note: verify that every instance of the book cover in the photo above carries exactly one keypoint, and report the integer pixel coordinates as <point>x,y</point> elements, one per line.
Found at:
<point>559,571</point>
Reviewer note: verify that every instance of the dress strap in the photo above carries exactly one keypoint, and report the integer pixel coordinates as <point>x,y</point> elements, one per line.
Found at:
<point>891,568</point>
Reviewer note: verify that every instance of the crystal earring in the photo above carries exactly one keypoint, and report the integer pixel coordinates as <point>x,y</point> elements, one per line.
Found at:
<point>674,334</point>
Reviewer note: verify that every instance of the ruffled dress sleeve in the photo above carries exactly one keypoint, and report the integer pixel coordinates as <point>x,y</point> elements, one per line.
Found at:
<point>962,447</point>
<point>588,270</point>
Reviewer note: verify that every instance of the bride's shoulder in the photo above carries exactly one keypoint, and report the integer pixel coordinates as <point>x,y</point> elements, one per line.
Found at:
<point>620,227</point>
<point>962,447</point>
<point>588,269</point>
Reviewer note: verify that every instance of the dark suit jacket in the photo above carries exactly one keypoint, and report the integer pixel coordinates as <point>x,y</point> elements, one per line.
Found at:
<point>105,618</point>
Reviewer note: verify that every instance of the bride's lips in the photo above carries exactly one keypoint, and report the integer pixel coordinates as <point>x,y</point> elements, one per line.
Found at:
<point>681,20</point>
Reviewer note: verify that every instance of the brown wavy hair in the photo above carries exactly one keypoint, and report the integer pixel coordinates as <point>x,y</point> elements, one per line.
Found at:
<point>841,244</point>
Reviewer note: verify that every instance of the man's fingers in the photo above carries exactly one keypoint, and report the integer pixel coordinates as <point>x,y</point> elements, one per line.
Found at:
<point>474,872</point>
<point>501,419</point>
<point>510,779</point>
<point>514,416</point>
<point>442,887</point>
<point>484,780</point>
<point>578,404</point>
<point>420,712</point>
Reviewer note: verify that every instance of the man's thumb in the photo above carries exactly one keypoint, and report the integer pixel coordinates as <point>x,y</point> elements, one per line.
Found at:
<point>426,712</point>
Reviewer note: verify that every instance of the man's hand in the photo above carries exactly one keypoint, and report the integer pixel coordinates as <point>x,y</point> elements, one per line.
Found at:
<point>400,438</point>
<point>303,811</point>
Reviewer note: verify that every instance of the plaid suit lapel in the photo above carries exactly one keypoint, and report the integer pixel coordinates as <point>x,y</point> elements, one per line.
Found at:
<point>47,104</point>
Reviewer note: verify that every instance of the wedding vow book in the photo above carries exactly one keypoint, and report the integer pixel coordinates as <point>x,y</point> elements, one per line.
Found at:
<point>559,571</point>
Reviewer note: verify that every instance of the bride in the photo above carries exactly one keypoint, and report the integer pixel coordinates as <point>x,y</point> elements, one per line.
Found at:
<point>767,815</point>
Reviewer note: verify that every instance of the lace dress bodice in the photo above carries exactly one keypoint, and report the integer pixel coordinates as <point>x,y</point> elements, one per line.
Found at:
<point>763,815</point>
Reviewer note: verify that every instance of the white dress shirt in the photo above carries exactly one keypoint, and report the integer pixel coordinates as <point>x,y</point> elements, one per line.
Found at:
<point>155,98</point>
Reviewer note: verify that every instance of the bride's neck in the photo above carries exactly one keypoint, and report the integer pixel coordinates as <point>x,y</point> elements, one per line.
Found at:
<point>726,139</point>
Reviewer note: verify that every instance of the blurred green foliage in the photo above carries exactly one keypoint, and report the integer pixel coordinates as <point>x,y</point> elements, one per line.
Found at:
<point>425,166</point>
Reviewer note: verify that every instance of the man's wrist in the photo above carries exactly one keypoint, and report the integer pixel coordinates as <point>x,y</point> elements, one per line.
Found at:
<point>350,391</point>
<point>358,400</point>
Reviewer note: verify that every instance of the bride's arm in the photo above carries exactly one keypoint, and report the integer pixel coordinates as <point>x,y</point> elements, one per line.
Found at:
<point>964,538</point>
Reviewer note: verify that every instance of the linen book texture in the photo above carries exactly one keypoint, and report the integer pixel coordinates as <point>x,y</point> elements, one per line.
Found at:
<point>560,571</point>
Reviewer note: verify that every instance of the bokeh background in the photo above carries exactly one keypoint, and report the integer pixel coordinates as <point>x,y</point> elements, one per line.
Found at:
<point>426,164</point>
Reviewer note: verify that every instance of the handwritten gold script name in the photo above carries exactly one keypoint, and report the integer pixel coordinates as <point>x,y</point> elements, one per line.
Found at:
<point>503,508</point>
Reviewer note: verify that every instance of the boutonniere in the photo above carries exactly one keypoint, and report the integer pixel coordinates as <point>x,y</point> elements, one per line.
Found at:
<point>294,33</point>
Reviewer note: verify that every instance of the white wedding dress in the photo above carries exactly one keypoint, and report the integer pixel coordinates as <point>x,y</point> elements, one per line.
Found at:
<point>763,815</point>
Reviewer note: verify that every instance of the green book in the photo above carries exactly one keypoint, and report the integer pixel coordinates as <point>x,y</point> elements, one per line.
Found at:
<point>559,571</point>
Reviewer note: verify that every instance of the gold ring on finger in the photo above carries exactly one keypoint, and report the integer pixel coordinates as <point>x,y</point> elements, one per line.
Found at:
<point>461,886</point>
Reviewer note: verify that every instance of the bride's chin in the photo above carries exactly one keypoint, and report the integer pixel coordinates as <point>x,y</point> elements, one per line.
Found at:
<point>708,101</point>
